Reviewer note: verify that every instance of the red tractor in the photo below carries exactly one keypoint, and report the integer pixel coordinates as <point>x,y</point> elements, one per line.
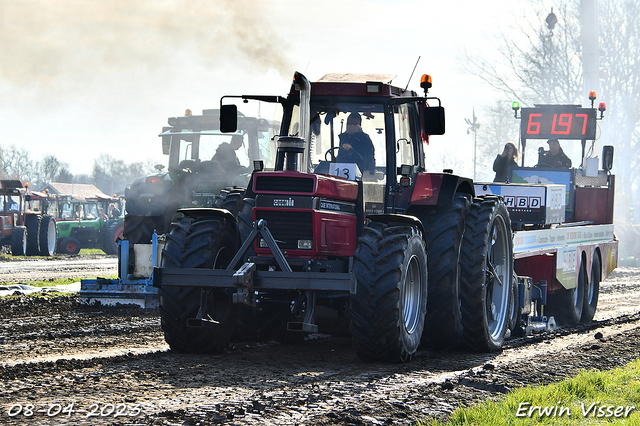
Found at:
<point>25,224</point>
<point>335,234</point>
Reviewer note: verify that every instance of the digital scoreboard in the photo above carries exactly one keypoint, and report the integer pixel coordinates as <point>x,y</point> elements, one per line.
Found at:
<point>558,121</point>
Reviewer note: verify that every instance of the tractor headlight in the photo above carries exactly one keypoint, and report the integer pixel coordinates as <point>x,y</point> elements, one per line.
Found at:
<point>305,244</point>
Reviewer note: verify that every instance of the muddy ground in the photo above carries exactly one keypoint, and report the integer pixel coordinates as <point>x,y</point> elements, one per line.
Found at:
<point>65,363</point>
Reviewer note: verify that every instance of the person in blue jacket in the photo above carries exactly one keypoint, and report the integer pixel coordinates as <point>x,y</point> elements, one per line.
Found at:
<point>356,146</point>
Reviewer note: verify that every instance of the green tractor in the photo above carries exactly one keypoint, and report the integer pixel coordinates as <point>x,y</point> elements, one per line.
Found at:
<point>203,170</point>
<point>89,223</point>
<point>206,168</point>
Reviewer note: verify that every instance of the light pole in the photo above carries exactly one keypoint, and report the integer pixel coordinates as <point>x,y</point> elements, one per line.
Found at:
<point>473,127</point>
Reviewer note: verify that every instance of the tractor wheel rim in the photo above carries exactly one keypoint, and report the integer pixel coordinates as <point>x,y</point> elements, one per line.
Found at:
<point>498,295</point>
<point>412,295</point>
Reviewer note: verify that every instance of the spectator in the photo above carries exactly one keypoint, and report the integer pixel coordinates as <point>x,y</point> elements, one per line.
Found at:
<point>504,161</point>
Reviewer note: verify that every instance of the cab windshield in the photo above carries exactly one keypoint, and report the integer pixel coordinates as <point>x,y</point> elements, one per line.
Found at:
<point>204,145</point>
<point>346,137</point>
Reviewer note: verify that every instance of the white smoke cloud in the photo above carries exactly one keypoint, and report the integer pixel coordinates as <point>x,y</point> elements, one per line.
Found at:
<point>67,46</point>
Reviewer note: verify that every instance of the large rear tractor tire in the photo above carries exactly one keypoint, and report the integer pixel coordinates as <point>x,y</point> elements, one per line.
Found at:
<point>113,235</point>
<point>69,245</point>
<point>208,243</point>
<point>591,292</point>
<point>32,222</point>
<point>444,230</point>
<point>19,241</point>
<point>48,235</point>
<point>487,272</point>
<point>388,307</point>
<point>567,306</point>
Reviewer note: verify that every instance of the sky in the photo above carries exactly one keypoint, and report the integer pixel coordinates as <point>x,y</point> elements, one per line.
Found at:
<point>79,78</point>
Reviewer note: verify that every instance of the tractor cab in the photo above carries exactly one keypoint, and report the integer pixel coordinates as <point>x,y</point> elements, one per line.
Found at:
<point>11,197</point>
<point>195,144</point>
<point>355,128</point>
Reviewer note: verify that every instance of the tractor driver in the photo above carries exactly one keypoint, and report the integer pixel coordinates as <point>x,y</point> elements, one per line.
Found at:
<point>11,205</point>
<point>356,146</point>
<point>226,155</point>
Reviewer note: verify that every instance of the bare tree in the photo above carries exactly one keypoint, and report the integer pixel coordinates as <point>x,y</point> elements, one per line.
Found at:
<point>16,163</point>
<point>48,170</point>
<point>64,175</point>
<point>112,175</point>
<point>620,66</point>
<point>537,64</point>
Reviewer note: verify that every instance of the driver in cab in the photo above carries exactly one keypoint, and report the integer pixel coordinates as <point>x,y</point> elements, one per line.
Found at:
<point>356,146</point>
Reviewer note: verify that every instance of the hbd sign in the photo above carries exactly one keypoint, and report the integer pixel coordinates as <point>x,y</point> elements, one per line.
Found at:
<point>522,202</point>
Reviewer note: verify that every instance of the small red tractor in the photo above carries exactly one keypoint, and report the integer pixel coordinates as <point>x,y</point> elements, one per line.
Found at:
<point>27,228</point>
<point>350,228</point>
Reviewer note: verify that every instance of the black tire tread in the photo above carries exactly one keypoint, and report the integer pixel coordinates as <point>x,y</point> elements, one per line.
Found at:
<point>444,230</point>
<point>191,244</point>
<point>474,252</point>
<point>374,308</point>
<point>18,237</point>
<point>62,246</point>
<point>589,307</point>
<point>560,304</point>
<point>32,222</point>
<point>110,243</point>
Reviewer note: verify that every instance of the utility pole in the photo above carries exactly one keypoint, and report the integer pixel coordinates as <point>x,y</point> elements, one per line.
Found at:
<point>473,127</point>
<point>590,50</point>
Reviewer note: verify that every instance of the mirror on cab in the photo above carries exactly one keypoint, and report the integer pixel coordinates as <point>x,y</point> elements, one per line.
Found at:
<point>166,141</point>
<point>433,120</point>
<point>228,118</point>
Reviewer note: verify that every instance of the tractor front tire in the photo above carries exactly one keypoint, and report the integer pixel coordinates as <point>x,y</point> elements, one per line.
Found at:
<point>487,272</point>
<point>48,235</point>
<point>19,241</point>
<point>388,307</point>
<point>69,245</point>
<point>208,243</point>
<point>32,222</point>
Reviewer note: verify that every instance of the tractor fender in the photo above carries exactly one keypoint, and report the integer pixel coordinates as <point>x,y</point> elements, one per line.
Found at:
<point>398,218</point>
<point>439,189</point>
<point>207,211</point>
<point>212,212</point>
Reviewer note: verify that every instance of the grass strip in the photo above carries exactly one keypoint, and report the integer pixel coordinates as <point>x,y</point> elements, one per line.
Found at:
<point>592,397</point>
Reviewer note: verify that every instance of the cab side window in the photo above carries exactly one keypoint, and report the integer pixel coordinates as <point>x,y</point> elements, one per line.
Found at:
<point>404,142</point>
